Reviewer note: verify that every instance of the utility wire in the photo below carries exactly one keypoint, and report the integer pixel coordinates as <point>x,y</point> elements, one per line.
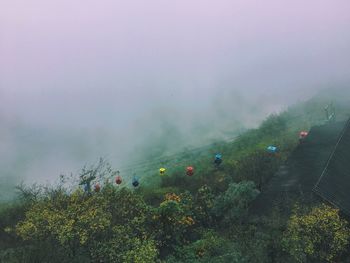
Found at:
<point>172,157</point>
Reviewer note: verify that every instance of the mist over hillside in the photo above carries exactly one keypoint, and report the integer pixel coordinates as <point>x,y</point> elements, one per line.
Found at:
<point>39,154</point>
<point>174,131</point>
<point>133,80</point>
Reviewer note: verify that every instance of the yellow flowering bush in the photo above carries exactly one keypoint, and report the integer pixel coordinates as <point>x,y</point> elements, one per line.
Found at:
<point>319,235</point>
<point>70,219</point>
<point>109,226</point>
<point>173,220</point>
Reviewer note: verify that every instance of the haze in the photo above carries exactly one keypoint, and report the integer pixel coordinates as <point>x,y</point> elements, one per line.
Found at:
<point>121,79</point>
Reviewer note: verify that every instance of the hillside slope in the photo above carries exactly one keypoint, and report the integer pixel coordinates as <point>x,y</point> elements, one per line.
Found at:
<point>301,171</point>
<point>334,183</point>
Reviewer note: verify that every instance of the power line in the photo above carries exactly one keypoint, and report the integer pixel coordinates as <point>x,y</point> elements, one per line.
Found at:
<point>171,157</point>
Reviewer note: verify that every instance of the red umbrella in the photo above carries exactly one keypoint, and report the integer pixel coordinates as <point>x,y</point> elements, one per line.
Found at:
<point>189,171</point>
<point>97,188</point>
<point>118,180</point>
<point>303,134</point>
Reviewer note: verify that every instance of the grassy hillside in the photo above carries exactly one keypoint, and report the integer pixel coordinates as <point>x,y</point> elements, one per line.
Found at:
<point>179,218</point>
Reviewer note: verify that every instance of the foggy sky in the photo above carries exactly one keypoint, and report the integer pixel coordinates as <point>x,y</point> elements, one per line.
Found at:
<point>123,68</point>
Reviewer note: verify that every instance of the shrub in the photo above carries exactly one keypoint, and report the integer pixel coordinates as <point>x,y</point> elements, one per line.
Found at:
<point>234,203</point>
<point>320,235</point>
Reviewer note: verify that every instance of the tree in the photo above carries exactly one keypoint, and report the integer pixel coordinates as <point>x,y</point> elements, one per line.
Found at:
<point>71,221</point>
<point>173,221</point>
<point>256,166</point>
<point>211,247</point>
<point>318,236</point>
<point>203,204</point>
<point>109,226</point>
<point>234,203</point>
<point>124,246</point>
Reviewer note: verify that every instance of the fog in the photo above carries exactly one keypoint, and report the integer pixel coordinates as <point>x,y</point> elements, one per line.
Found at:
<point>130,80</point>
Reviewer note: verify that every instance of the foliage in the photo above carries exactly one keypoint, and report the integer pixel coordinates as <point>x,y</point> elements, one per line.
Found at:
<point>203,205</point>
<point>124,246</point>
<point>257,166</point>
<point>175,217</point>
<point>320,235</point>
<point>155,195</point>
<point>174,221</point>
<point>233,204</point>
<point>70,219</point>
<point>211,247</point>
<point>105,225</point>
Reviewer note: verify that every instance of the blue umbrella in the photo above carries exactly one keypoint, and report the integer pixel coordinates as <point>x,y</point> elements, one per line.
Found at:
<point>272,149</point>
<point>218,159</point>
<point>135,181</point>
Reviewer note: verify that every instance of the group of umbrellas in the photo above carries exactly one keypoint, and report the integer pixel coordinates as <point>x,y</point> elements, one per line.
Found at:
<point>162,171</point>
<point>272,149</point>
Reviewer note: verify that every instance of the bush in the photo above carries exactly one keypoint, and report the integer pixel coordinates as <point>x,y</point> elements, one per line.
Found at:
<point>100,226</point>
<point>233,204</point>
<point>173,221</point>
<point>318,236</point>
<point>209,248</point>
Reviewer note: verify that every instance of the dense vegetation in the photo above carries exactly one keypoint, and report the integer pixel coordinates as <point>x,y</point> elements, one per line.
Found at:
<point>177,218</point>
